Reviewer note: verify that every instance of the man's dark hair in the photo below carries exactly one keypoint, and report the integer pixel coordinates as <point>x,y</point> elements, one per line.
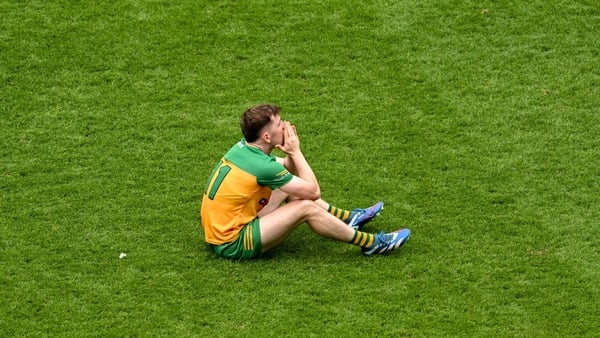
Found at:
<point>255,118</point>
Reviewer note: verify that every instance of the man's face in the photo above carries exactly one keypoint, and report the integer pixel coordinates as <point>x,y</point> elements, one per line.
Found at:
<point>276,130</point>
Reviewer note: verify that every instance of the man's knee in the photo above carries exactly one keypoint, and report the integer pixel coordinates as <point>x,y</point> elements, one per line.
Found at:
<point>308,207</point>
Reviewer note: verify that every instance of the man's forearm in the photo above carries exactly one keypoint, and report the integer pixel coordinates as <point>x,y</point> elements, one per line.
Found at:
<point>289,164</point>
<point>297,165</point>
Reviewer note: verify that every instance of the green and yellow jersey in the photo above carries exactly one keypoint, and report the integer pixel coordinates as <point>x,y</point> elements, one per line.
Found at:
<point>238,188</point>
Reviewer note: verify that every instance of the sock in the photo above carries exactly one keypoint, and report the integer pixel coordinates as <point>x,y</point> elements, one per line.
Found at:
<point>339,213</point>
<point>363,239</point>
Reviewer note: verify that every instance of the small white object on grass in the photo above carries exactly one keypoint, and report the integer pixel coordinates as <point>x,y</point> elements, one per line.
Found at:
<point>122,255</point>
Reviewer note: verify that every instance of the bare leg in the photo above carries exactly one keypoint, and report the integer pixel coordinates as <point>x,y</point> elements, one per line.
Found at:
<point>277,225</point>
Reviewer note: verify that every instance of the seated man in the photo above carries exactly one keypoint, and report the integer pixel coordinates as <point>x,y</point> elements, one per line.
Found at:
<point>253,200</point>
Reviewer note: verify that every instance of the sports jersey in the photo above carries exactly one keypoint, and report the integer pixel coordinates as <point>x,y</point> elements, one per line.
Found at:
<point>238,188</point>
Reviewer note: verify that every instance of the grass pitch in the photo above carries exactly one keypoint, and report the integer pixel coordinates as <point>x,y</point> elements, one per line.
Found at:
<point>474,121</point>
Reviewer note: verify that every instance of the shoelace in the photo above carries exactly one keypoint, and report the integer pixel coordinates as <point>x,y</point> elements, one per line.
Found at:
<point>383,238</point>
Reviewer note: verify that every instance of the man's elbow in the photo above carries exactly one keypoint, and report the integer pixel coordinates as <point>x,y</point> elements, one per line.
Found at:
<point>314,196</point>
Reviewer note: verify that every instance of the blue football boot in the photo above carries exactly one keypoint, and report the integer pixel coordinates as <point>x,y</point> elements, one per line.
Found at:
<point>359,217</point>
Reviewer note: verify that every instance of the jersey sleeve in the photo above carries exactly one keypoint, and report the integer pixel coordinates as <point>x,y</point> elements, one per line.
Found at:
<point>274,175</point>
<point>264,167</point>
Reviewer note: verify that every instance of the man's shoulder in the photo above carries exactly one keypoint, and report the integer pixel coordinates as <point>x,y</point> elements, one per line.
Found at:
<point>253,161</point>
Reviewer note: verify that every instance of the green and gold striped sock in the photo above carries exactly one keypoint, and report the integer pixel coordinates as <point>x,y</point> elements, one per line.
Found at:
<point>363,239</point>
<point>338,212</point>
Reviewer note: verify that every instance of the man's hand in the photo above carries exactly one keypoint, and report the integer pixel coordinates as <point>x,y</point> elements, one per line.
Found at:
<point>291,142</point>
<point>304,184</point>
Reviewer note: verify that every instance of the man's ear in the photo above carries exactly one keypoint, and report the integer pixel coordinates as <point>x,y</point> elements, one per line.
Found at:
<point>266,137</point>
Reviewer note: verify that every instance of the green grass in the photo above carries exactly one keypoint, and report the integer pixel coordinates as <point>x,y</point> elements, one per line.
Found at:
<point>476,122</point>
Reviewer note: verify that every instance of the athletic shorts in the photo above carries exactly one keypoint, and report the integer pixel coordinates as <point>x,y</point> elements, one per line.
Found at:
<point>246,246</point>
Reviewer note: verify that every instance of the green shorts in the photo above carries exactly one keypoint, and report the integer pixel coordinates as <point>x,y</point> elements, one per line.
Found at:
<point>246,246</point>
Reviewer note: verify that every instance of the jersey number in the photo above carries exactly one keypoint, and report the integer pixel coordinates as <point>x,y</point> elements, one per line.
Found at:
<point>212,189</point>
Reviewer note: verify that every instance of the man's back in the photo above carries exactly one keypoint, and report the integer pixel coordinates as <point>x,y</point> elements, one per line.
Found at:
<point>238,188</point>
